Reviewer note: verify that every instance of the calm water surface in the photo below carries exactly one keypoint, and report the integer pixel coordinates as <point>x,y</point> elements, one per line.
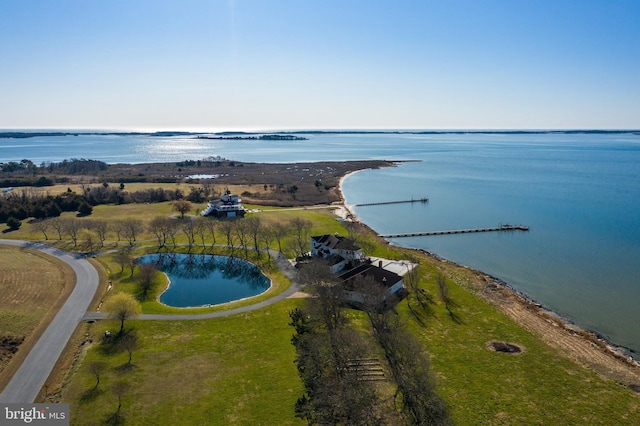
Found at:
<point>580,195</point>
<point>200,279</point>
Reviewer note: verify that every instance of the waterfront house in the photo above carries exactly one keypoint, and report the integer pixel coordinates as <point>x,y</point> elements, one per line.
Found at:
<point>361,280</point>
<point>370,283</point>
<point>331,245</point>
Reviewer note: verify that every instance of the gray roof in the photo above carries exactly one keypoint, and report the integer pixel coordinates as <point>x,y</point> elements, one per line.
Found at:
<point>336,242</point>
<point>369,272</point>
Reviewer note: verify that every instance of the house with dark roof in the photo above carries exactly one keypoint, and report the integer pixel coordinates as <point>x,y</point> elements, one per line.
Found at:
<point>370,283</point>
<point>360,279</point>
<point>227,206</point>
<point>334,244</point>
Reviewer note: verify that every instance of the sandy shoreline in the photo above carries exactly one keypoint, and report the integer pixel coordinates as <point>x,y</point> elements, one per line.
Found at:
<point>586,347</point>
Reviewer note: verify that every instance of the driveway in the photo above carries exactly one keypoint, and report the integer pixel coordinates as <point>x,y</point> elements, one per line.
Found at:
<point>34,371</point>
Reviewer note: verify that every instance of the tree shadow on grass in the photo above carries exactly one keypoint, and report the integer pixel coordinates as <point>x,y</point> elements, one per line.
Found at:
<point>125,368</point>
<point>114,419</point>
<point>455,317</point>
<point>90,395</point>
<point>111,342</point>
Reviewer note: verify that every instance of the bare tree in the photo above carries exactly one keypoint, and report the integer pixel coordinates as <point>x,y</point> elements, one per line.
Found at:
<point>443,288</point>
<point>89,241</point>
<point>118,227</point>
<point>147,274</point>
<point>227,227</point>
<point>161,227</point>
<point>119,389</point>
<point>211,225</point>
<point>129,343</point>
<point>254,227</point>
<point>190,231</point>
<point>419,296</point>
<point>302,229</point>
<point>71,227</point>
<point>57,223</point>
<point>209,189</point>
<point>42,226</point>
<point>242,232</point>
<point>329,365</point>
<point>267,237</point>
<point>280,231</point>
<point>329,307</point>
<point>123,258</point>
<point>200,229</point>
<point>316,272</point>
<point>410,368</point>
<point>100,227</point>
<point>97,368</point>
<point>132,228</point>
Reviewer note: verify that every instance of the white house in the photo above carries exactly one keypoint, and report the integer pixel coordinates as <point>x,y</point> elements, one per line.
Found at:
<point>226,206</point>
<point>361,280</point>
<point>328,245</point>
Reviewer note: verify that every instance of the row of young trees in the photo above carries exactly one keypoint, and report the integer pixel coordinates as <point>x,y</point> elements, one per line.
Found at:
<point>94,232</point>
<point>121,306</point>
<point>245,236</point>
<point>332,359</point>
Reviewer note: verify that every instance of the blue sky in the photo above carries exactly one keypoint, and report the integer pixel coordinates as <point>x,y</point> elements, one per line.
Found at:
<point>320,64</point>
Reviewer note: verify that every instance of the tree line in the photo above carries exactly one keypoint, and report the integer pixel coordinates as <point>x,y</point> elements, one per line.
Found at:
<point>17,206</point>
<point>334,362</point>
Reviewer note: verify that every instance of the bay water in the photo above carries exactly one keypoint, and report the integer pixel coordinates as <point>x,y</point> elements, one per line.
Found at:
<point>578,193</point>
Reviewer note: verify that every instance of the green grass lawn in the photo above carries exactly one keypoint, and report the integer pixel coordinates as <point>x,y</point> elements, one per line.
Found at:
<point>537,386</point>
<point>125,282</point>
<point>234,370</point>
<point>240,370</point>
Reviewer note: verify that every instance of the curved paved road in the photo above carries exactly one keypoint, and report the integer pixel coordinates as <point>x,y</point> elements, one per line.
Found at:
<point>30,377</point>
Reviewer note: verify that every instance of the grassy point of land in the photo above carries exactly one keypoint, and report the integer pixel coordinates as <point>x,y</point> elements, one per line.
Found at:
<point>240,369</point>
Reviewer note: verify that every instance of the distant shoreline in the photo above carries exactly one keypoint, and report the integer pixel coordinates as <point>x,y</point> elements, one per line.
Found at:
<point>288,134</point>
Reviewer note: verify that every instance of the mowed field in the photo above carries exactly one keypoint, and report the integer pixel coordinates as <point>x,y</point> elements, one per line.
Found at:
<point>240,369</point>
<point>33,286</point>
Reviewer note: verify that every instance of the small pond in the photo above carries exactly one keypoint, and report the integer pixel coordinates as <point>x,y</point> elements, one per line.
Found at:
<point>203,279</point>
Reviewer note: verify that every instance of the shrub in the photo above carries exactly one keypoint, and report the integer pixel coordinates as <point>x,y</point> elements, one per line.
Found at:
<point>13,223</point>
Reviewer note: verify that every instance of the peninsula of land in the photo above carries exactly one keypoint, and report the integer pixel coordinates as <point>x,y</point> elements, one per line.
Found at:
<point>318,184</point>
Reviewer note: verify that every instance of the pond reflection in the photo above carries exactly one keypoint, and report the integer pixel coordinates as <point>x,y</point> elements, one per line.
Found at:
<point>203,279</point>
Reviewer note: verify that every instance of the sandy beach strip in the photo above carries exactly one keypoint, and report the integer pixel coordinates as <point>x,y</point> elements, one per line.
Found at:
<point>583,346</point>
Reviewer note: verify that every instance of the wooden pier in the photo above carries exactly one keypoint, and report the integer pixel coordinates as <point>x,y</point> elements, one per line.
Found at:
<point>458,231</point>
<point>380,203</point>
